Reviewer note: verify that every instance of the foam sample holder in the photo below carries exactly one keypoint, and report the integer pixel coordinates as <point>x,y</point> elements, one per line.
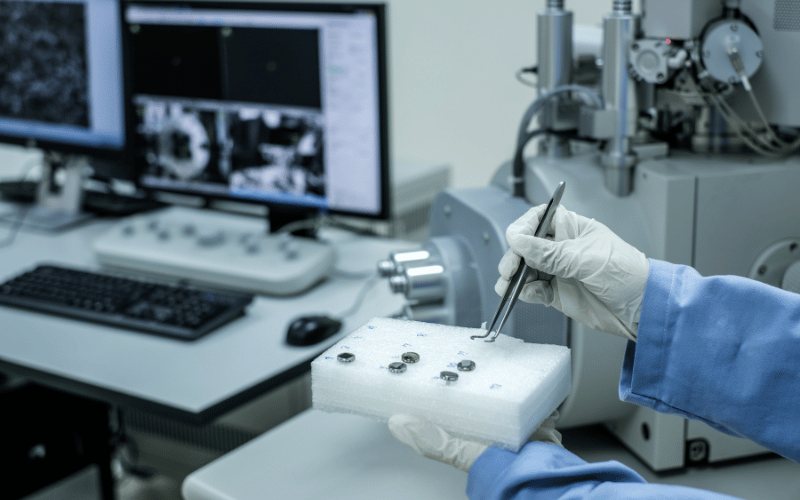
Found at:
<point>496,393</point>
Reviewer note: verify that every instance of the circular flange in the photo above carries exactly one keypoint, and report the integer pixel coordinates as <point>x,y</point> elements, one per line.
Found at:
<point>771,265</point>
<point>722,37</point>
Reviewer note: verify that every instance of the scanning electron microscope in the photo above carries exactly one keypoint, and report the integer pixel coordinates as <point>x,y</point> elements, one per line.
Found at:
<point>679,130</point>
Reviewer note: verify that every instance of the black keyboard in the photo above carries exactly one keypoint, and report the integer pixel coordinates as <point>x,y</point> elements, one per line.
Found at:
<point>163,309</point>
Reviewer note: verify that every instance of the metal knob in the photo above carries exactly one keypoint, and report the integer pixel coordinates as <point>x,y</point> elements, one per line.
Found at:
<point>211,239</point>
<point>398,284</point>
<point>386,268</point>
<point>424,283</point>
<point>397,261</point>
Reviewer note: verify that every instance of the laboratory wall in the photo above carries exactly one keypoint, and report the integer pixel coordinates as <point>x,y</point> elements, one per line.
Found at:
<point>454,97</point>
<point>453,91</point>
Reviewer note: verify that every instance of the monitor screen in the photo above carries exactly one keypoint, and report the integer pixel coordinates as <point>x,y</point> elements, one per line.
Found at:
<point>61,77</point>
<point>282,104</point>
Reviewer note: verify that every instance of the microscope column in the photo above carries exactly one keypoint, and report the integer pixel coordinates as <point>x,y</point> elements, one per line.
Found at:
<point>619,93</point>
<point>554,56</point>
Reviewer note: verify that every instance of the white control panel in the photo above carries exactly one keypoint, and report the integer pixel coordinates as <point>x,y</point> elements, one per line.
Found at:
<point>227,250</point>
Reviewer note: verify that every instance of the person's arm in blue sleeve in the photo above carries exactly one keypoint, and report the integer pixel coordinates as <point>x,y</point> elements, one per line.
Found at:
<point>544,471</point>
<point>602,282</point>
<point>720,349</point>
<point>723,350</point>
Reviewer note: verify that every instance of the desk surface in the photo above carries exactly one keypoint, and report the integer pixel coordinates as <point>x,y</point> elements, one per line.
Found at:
<point>349,457</point>
<point>325,455</point>
<point>192,381</point>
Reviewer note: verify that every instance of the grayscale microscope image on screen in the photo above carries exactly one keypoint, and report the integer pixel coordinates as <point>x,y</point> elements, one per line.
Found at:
<point>62,91</point>
<point>46,35</point>
<point>247,152</point>
<point>61,79</point>
<point>258,105</point>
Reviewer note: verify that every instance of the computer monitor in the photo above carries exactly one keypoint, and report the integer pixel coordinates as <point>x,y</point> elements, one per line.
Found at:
<point>273,103</point>
<point>61,76</point>
<point>63,90</point>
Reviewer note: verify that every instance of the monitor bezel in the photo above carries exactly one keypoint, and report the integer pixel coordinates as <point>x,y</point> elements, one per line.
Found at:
<point>122,154</point>
<point>378,9</point>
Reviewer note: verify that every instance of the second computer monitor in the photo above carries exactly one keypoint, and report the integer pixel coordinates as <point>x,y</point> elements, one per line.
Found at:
<point>272,103</point>
<point>61,76</point>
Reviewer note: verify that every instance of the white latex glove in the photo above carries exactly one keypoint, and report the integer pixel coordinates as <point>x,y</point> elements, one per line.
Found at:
<point>430,440</point>
<point>588,272</point>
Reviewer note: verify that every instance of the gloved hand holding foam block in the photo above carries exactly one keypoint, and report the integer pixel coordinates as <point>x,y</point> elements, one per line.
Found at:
<point>512,388</point>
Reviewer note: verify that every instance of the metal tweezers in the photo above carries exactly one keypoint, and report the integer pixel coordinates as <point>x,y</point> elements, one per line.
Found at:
<point>517,281</point>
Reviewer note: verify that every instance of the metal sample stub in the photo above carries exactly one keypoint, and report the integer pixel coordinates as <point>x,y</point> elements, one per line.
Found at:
<point>410,357</point>
<point>346,357</point>
<point>397,367</point>
<point>466,365</point>
<point>449,376</point>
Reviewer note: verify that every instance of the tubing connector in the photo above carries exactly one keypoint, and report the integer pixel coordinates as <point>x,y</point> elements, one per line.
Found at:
<point>623,6</point>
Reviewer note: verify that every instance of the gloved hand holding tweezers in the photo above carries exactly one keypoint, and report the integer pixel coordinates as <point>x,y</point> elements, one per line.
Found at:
<point>521,274</point>
<point>597,278</point>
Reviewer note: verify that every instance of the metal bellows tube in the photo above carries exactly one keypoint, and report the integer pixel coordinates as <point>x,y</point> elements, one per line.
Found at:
<point>619,95</point>
<point>623,6</point>
<point>554,60</point>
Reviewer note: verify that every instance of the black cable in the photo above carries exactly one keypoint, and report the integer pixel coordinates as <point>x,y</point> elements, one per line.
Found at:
<point>15,226</point>
<point>518,165</point>
<point>360,231</point>
<point>362,294</point>
<point>523,135</point>
<point>531,69</point>
<point>126,450</point>
<point>352,275</point>
<point>23,211</point>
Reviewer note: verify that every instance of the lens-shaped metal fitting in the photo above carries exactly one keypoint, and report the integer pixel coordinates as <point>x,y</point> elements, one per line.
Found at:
<point>410,357</point>
<point>397,367</point>
<point>466,365</point>
<point>346,357</point>
<point>449,376</point>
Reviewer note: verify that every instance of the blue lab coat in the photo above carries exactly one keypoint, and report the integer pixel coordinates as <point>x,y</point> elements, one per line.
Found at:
<point>722,349</point>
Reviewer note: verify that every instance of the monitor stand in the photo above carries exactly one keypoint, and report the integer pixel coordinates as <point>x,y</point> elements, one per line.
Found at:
<point>280,216</point>
<point>57,207</point>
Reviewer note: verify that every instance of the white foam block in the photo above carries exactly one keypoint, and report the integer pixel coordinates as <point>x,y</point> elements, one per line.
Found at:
<point>515,385</point>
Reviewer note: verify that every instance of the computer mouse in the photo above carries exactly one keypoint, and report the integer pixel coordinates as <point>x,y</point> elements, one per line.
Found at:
<point>310,330</point>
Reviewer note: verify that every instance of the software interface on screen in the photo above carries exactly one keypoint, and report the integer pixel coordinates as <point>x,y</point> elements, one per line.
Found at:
<point>262,105</point>
<point>61,73</point>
